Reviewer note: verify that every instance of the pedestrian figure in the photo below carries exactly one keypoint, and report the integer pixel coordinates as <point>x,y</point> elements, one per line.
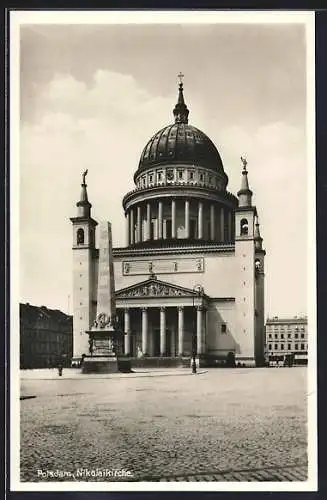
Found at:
<point>139,352</point>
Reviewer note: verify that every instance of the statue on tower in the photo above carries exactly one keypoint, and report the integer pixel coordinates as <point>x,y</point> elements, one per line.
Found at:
<point>83,176</point>
<point>244,161</point>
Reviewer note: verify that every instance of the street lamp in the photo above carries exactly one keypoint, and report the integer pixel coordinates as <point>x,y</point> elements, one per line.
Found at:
<point>199,290</point>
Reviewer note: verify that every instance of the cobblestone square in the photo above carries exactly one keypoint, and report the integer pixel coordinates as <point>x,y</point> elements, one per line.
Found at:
<point>219,425</point>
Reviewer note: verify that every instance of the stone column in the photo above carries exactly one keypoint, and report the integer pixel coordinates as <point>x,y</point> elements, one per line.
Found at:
<point>127,331</point>
<point>173,218</point>
<point>212,222</point>
<point>199,322</point>
<point>148,220</point>
<point>222,224</point>
<point>187,219</point>
<point>160,220</point>
<point>128,230</point>
<point>138,225</point>
<point>144,330</point>
<point>180,330</point>
<point>162,331</point>
<point>200,220</point>
<point>132,238</point>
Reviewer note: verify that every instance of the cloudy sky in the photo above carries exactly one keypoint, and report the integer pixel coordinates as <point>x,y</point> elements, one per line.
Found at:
<point>92,95</point>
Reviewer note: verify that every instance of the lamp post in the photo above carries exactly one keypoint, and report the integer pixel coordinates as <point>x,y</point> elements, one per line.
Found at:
<point>199,290</point>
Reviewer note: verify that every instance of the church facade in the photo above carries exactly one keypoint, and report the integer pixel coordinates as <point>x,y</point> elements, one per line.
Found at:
<point>191,275</point>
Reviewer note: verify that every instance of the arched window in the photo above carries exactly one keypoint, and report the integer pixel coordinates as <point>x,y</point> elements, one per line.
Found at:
<point>80,236</point>
<point>244,227</point>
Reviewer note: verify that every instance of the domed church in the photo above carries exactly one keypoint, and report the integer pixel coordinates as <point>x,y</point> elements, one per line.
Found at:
<point>191,275</point>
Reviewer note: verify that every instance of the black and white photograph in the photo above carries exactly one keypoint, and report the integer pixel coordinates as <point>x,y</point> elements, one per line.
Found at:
<point>163,318</point>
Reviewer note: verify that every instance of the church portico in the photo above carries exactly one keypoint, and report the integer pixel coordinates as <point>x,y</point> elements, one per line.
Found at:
<point>159,319</point>
<point>165,331</point>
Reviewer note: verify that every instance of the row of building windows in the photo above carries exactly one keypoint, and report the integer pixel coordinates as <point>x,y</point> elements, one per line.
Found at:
<point>46,347</point>
<point>181,175</point>
<point>282,347</point>
<point>289,335</point>
<point>282,328</point>
<point>44,335</point>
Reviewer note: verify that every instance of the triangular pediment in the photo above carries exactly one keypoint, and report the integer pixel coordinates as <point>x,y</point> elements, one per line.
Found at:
<point>154,288</point>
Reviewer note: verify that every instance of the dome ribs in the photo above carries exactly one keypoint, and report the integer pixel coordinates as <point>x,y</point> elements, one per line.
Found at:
<point>180,143</point>
<point>171,142</point>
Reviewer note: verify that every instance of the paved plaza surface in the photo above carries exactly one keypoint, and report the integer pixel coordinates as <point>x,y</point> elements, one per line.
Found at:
<point>241,424</point>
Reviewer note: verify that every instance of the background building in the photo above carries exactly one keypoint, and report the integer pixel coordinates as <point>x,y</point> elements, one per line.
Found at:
<point>46,335</point>
<point>286,336</point>
<point>192,271</point>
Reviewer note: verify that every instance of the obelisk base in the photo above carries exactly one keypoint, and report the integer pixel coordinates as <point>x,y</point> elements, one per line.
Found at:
<point>100,364</point>
<point>106,353</point>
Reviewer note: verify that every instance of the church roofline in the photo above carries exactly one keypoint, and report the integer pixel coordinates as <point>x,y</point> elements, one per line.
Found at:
<point>84,219</point>
<point>166,250</point>
<point>176,190</point>
<point>247,209</point>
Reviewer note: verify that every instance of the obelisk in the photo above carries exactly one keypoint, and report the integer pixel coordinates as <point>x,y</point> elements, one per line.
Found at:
<point>106,304</point>
<point>105,338</point>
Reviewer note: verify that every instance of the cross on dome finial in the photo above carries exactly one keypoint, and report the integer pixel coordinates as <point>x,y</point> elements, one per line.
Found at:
<point>180,111</point>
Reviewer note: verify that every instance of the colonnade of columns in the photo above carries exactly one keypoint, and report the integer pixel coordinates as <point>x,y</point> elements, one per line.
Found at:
<point>145,332</point>
<point>139,220</point>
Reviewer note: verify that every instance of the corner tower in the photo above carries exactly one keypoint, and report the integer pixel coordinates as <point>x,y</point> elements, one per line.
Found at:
<point>83,272</point>
<point>245,325</point>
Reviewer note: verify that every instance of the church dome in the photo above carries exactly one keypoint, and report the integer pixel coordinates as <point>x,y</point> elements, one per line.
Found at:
<point>180,143</point>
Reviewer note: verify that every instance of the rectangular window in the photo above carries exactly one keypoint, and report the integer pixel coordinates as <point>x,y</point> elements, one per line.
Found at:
<point>168,229</point>
<point>180,174</point>
<point>296,347</point>
<point>276,336</point>
<point>281,335</point>
<point>269,347</point>
<point>223,328</point>
<point>152,229</point>
<point>288,335</point>
<point>289,347</point>
<point>159,176</point>
<point>276,347</point>
<point>302,347</point>
<point>302,335</point>
<point>193,228</point>
<point>281,347</point>
<point>296,335</point>
<point>270,336</point>
<point>191,175</point>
